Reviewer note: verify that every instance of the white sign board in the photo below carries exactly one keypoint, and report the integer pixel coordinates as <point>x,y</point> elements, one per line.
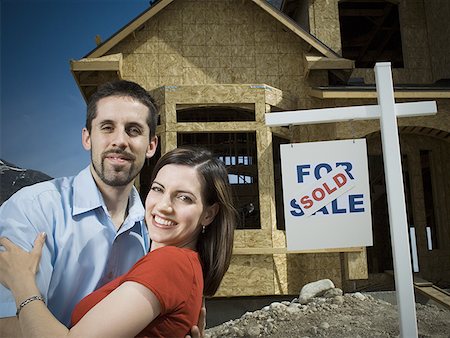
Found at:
<point>326,195</point>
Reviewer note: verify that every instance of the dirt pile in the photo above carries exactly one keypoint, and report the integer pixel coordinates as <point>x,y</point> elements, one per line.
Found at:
<point>349,315</point>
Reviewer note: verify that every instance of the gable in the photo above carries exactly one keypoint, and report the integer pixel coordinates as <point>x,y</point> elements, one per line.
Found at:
<point>160,5</point>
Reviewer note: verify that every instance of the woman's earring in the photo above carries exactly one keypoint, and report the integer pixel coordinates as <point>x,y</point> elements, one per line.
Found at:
<point>204,229</point>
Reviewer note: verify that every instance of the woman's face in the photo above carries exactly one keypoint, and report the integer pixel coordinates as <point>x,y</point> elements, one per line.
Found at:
<point>174,209</point>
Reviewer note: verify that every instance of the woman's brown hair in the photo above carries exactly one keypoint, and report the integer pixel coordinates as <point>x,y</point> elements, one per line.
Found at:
<point>215,244</point>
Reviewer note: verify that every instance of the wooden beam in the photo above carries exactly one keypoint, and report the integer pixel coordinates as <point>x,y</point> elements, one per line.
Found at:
<point>294,27</point>
<point>435,293</point>
<point>106,63</point>
<point>80,66</point>
<point>372,94</point>
<point>356,265</point>
<point>321,62</point>
<point>86,71</point>
<point>272,251</point>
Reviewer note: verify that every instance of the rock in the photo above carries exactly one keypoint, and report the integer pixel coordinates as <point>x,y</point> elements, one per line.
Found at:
<point>277,306</point>
<point>254,330</point>
<point>338,300</point>
<point>292,309</point>
<point>324,325</point>
<point>333,293</point>
<point>314,289</point>
<point>350,315</point>
<point>359,295</point>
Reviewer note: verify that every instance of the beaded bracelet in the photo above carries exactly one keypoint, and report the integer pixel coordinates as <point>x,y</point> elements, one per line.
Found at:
<point>27,301</point>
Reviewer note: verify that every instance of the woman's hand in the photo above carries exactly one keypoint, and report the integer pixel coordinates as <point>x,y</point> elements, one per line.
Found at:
<point>16,264</point>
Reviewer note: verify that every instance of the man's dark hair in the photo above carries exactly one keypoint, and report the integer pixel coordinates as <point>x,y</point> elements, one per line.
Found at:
<point>127,89</point>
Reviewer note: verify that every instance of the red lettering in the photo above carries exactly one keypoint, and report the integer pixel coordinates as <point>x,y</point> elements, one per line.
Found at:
<point>306,201</point>
<point>327,188</point>
<point>340,179</point>
<point>322,194</point>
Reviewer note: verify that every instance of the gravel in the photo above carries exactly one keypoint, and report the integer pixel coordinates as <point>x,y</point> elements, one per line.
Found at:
<point>348,315</point>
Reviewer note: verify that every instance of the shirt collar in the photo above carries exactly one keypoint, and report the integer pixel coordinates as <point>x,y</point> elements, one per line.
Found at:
<point>136,210</point>
<point>87,196</point>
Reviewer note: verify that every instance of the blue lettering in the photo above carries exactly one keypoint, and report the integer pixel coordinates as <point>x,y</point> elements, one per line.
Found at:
<point>323,210</point>
<point>320,166</point>
<point>353,202</point>
<point>348,167</point>
<point>295,205</point>
<point>301,172</point>
<point>335,209</point>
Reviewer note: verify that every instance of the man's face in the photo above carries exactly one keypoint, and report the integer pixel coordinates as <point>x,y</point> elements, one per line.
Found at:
<point>119,140</point>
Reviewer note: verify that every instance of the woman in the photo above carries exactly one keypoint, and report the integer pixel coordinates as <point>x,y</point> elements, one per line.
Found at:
<point>191,221</point>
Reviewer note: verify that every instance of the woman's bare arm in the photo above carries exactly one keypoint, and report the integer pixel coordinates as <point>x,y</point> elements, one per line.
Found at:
<point>124,312</point>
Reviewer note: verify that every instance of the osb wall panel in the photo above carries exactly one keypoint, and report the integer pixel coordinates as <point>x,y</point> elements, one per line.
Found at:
<point>278,274</point>
<point>279,238</point>
<point>214,42</point>
<point>306,268</point>
<point>234,42</point>
<point>293,271</point>
<point>324,23</point>
<point>265,178</point>
<point>280,280</point>
<point>218,93</point>
<point>248,275</point>
<point>253,238</point>
<point>234,94</point>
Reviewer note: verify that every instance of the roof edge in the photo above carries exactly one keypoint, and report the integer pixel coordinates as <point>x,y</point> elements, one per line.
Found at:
<point>297,29</point>
<point>128,29</point>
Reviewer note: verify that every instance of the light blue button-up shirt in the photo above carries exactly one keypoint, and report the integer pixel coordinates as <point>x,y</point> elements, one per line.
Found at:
<point>83,249</point>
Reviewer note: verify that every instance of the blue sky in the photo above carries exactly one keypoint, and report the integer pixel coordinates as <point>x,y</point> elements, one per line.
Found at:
<point>42,110</point>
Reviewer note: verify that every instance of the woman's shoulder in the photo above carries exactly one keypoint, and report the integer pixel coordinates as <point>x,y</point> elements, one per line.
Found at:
<point>172,256</point>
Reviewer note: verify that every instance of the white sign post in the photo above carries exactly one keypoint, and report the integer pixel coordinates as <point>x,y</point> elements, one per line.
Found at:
<point>387,111</point>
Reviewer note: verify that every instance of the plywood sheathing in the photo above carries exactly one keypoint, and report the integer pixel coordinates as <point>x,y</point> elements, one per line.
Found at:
<point>212,43</point>
<point>250,275</point>
<point>262,98</point>
<point>305,268</point>
<point>355,265</point>
<point>243,44</point>
<point>321,62</point>
<point>324,23</point>
<point>89,73</point>
<point>354,93</point>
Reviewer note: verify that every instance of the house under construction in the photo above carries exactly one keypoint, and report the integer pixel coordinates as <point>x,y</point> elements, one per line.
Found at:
<point>216,67</point>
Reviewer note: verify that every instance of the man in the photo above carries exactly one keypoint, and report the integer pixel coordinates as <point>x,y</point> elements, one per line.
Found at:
<point>94,221</point>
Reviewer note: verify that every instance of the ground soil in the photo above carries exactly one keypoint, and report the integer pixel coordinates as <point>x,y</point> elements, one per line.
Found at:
<point>351,315</point>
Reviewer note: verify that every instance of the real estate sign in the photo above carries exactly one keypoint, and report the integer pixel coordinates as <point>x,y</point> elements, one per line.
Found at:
<point>326,195</point>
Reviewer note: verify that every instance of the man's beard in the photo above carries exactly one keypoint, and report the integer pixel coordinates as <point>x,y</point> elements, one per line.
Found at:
<point>121,176</point>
